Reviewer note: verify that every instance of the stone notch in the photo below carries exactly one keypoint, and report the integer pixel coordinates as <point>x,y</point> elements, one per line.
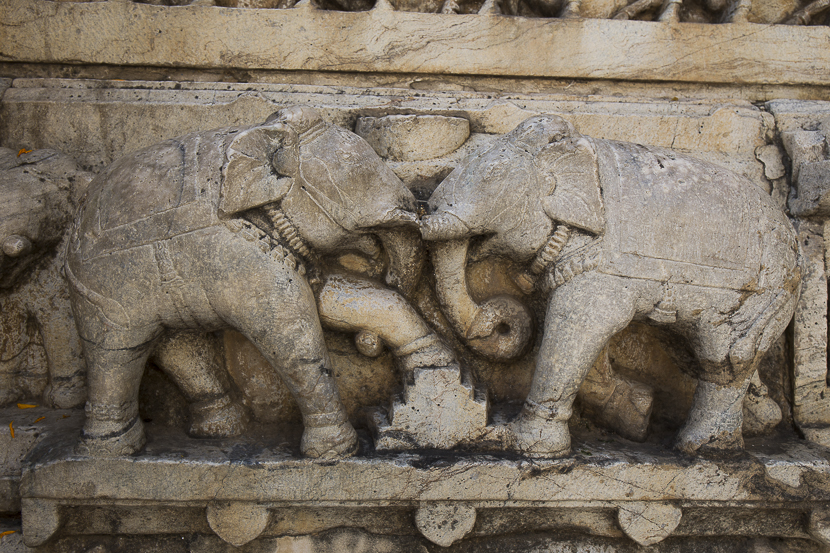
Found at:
<point>43,520</point>
<point>413,137</point>
<point>648,523</point>
<point>439,408</point>
<point>445,523</point>
<point>809,152</point>
<point>819,525</point>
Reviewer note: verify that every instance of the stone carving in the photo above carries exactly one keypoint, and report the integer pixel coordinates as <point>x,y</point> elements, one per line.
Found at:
<point>225,229</point>
<point>672,11</point>
<point>615,232</point>
<point>38,190</point>
<point>809,153</point>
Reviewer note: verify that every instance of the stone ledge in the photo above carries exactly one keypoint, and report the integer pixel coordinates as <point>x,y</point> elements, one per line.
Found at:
<point>775,486</point>
<point>598,472</point>
<point>124,33</point>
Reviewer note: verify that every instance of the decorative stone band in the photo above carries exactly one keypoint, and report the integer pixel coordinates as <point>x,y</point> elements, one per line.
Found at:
<point>552,249</point>
<point>537,410</point>
<point>418,344</point>
<point>287,231</point>
<point>543,259</point>
<point>105,412</point>
<point>584,259</point>
<point>313,132</point>
<point>324,419</point>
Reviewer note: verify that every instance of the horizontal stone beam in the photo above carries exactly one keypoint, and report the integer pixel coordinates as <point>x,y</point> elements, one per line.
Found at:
<point>596,476</point>
<point>126,33</point>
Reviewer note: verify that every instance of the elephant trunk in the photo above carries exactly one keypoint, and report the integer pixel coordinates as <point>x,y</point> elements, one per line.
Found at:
<point>406,257</point>
<point>499,328</point>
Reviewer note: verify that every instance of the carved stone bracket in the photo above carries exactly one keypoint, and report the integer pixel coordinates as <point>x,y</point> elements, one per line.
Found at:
<point>237,522</point>
<point>648,523</point>
<point>445,523</point>
<point>42,521</point>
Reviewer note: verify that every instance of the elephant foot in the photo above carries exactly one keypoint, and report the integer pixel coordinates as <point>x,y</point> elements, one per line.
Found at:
<point>217,418</point>
<point>714,423</point>
<point>66,394</point>
<point>124,442</point>
<point>328,441</point>
<point>761,413</point>
<point>540,436</point>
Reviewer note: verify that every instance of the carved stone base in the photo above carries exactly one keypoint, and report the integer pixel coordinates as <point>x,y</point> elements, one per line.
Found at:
<point>439,409</point>
<point>256,488</point>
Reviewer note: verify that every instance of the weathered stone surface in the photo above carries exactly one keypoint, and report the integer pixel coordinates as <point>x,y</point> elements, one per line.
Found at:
<point>589,487</point>
<point>383,328</point>
<point>649,523</point>
<point>413,137</point>
<point>22,430</point>
<point>117,117</point>
<point>811,408</point>
<point>592,219</point>
<point>445,523</point>
<point>813,184</point>
<point>385,40</point>
<point>616,402</point>
<point>803,147</point>
<point>40,352</point>
<point>237,522</point>
<point>439,409</point>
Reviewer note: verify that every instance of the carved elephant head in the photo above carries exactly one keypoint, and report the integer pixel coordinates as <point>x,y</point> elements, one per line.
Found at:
<point>509,196</point>
<point>330,185</point>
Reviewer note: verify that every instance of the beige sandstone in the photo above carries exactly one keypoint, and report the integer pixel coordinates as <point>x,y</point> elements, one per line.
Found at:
<point>612,340</point>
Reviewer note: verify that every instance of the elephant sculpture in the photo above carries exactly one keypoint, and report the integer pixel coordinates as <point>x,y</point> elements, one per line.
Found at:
<point>39,189</point>
<point>614,232</point>
<point>226,229</point>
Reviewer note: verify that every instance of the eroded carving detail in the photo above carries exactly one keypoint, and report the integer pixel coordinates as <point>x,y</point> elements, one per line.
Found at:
<point>224,229</point>
<point>645,246</point>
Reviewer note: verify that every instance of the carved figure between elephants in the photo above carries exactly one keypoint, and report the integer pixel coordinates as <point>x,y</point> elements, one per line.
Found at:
<point>615,232</point>
<point>226,229</point>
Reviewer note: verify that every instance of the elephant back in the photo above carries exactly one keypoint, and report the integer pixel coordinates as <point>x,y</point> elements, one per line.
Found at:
<point>165,190</point>
<point>675,218</point>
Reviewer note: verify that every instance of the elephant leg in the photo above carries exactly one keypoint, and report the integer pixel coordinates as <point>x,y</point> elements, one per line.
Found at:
<point>263,296</point>
<point>582,316</point>
<point>113,426</point>
<point>67,386</point>
<point>716,417</point>
<point>729,356</point>
<point>191,360</point>
<point>296,347</point>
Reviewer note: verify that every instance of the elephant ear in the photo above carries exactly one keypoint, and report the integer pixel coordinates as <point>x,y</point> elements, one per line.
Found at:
<point>257,167</point>
<point>570,170</point>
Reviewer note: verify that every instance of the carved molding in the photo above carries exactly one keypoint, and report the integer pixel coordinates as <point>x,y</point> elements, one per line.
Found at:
<point>208,36</point>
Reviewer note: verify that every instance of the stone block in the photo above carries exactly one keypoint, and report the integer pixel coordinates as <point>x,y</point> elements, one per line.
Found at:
<point>812,187</point>
<point>413,137</point>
